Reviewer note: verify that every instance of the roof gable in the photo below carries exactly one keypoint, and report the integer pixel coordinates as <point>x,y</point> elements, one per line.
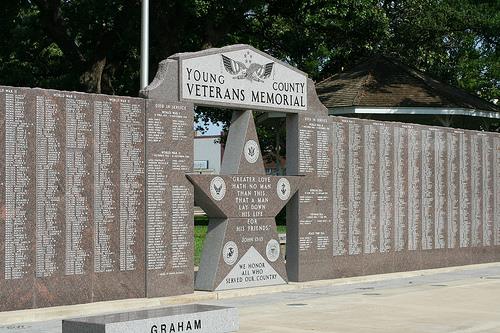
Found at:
<point>385,82</point>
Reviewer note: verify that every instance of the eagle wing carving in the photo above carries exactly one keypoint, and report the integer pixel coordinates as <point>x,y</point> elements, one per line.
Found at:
<point>254,72</point>
<point>232,66</point>
<point>268,68</point>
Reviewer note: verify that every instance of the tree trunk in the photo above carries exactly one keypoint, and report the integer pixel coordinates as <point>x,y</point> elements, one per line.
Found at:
<point>278,158</point>
<point>92,79</point>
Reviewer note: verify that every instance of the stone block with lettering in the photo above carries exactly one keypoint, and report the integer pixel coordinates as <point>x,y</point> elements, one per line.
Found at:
<point>169,200</point>
<point>184,318</point>
<point>236,77</point>
<point>242,248</point>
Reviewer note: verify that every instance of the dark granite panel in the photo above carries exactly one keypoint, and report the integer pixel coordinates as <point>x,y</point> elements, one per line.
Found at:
<point>64,162</point>
<point>346,266</point>
<point>453,184</point>
<point>386,188</point>
<point>17,198</point>
<point>464,190</point>
<point>169,199</point>
<point>378,263</point>
<point>496,191</point>
<point>401,195</point>
<point>170,247</point>
<point>488,185</point>
<point>428,189</point>
<point>371,189</point>
<point>343,266</point>
<point>407,261</point>
<point>414,188</point>
<point>414,197</point>
<point>340,191</point>
<point>476,166</point>
<point>119,221</point>
<point>315,221</point>
<point>440,189</point>
<point>311,213</point>
<point>357,180</point>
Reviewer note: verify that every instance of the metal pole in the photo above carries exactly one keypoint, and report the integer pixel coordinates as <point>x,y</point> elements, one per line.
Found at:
<point>144,44</point>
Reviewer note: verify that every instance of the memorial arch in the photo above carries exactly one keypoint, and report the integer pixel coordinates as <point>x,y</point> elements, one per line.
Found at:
<point>241,78</point>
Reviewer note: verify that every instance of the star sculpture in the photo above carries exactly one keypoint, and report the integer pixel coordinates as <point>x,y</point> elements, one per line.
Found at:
<point>241,248</point>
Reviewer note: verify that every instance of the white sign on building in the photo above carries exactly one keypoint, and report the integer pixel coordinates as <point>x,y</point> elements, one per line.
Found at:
<point>243,78</point>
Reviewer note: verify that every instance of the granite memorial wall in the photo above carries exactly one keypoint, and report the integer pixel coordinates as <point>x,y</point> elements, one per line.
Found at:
<point>385,197</point>
<point>96,195</point>
<point>241,248</point>
<point>72,198</point>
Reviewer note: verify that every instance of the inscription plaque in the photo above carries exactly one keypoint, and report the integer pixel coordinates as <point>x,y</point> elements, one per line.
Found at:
<point>402,197</point>
<point>72,198</point>
<point>169,227</point>
<point>64,198</point>
<point>17,198</point>
<point>118,169</point>
<point>312,234</point>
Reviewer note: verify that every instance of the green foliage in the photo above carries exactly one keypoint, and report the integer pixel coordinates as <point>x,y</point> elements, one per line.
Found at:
<point>319,36</point>
<point>455,41</point>
<point>281,229</point>
<point>93,45</point>
<point>200,233</point>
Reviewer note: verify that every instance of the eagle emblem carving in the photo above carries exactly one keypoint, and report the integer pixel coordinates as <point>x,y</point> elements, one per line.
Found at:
<point>217,188</point>
<point>254,72</point>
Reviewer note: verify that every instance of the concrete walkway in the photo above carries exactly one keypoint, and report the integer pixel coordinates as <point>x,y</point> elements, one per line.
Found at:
<point>458,299</point>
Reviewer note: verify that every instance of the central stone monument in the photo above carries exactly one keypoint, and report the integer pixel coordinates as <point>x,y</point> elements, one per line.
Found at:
<point>242,248</point>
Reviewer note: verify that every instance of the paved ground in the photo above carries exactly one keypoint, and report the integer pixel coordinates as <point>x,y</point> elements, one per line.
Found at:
<point>460,300</point>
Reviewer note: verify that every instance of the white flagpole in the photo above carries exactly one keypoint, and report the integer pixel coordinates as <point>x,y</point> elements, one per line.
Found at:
<point>144,43</point>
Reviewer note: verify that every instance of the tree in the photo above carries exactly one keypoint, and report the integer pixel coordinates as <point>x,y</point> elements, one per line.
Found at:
<point>93,45</point>
<point>455,41</point>
<point>81,45</point>
<point>319,37</point>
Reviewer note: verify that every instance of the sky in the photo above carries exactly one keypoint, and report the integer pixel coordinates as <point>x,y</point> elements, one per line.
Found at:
<point>213,129</point>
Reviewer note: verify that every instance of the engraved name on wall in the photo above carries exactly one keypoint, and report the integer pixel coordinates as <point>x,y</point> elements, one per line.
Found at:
<point>400,187</point>
<point>169,198</point>
<point>73,192</point>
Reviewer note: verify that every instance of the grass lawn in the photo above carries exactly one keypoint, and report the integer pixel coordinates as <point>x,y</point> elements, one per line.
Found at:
<point>200,231</point>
